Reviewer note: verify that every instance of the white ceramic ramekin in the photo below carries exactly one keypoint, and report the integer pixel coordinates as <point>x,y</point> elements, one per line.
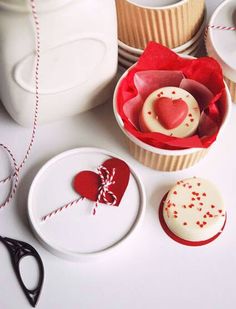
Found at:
<point>162,159</point>
<point>171,25</point>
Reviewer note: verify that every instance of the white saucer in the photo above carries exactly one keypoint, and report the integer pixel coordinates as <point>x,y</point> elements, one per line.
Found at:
<point>126,62</point>
<point>129,59</point>
<point>74,233</point>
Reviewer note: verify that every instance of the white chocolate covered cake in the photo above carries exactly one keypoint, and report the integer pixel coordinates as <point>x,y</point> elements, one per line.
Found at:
<point>171,111</point>
<point>194,210</point>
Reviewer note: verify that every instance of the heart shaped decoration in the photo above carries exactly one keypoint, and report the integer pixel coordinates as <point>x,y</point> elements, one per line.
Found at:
<point>170,113</point>
<point>87,183</point>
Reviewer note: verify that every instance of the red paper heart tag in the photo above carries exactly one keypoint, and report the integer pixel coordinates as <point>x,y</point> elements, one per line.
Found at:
<point>171,113</point>
<point>88,184</point>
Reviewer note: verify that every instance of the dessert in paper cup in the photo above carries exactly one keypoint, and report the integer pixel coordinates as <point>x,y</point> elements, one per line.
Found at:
<point>171,108</point>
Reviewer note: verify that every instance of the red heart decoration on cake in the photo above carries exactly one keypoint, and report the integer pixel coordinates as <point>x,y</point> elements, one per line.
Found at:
<point>87,183</point>
<point>171,113</point>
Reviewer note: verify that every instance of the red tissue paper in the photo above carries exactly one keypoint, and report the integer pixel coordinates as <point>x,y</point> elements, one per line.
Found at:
<point>160,67</point>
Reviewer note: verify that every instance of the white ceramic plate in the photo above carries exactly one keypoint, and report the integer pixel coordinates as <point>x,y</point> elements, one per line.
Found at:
<point>76,234</point>
<point>126,62</point>
<point>191,49</point>
<point>128,56</point>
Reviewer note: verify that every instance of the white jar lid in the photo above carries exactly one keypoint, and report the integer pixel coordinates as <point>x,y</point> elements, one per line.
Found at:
<point>221,43</point>
<point>74,233</point>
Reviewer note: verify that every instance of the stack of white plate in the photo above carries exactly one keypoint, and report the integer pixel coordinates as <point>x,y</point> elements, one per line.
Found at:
<point>129,55</point>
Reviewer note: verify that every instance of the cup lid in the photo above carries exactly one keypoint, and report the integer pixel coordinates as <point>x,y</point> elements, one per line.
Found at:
<point>221,43</point>
<point>75,233</point>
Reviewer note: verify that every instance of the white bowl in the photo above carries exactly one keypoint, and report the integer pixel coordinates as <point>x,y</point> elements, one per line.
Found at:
<point>220,44</point>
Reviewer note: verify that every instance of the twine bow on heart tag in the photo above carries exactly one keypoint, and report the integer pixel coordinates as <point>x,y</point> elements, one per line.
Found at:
<point>107,186</point>
<point>107,181</point>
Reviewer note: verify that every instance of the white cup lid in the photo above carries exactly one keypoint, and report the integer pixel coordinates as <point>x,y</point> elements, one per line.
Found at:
<point>75,233</point>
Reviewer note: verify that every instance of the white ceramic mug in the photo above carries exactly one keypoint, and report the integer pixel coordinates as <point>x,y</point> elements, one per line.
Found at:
<point>78,60</point>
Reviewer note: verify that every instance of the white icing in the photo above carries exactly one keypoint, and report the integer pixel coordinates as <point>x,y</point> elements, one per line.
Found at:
<point>182,218</point>
<point>187,128</point>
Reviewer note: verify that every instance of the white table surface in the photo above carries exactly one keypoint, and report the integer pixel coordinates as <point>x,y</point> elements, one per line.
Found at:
<point>152,271</point>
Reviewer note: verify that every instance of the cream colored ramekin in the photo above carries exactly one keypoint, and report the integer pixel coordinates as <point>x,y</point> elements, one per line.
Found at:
<point>162,159</point>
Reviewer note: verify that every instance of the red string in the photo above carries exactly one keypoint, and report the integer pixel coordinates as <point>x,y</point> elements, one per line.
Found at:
<point>222,27</point>
<point>107,179</point>
<point>60,209</point>
<point>14,176</point>
<point>218,27</point>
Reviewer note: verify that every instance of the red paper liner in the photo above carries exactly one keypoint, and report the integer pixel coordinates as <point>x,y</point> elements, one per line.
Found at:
<point>178,239</point>
<point>204,70</point>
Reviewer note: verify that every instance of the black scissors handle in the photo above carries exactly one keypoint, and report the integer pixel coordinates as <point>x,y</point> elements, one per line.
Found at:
<point>18,250</point>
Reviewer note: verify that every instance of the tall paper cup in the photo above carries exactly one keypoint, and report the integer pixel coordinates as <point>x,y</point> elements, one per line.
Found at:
<point>170,25</point>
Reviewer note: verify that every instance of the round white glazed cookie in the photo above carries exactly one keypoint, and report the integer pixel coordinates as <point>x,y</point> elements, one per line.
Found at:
<point>171,111</point>
<point>194,210</point>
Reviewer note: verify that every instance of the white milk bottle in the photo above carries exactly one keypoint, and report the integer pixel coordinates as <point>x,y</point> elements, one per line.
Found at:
<point>78,60</point>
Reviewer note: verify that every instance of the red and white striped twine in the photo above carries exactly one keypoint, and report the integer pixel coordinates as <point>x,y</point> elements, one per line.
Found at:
<point>58,210</point>
<point>14,176</point>
<point>219,27</point>
<point>222,27</point>
<point>103,190</point>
